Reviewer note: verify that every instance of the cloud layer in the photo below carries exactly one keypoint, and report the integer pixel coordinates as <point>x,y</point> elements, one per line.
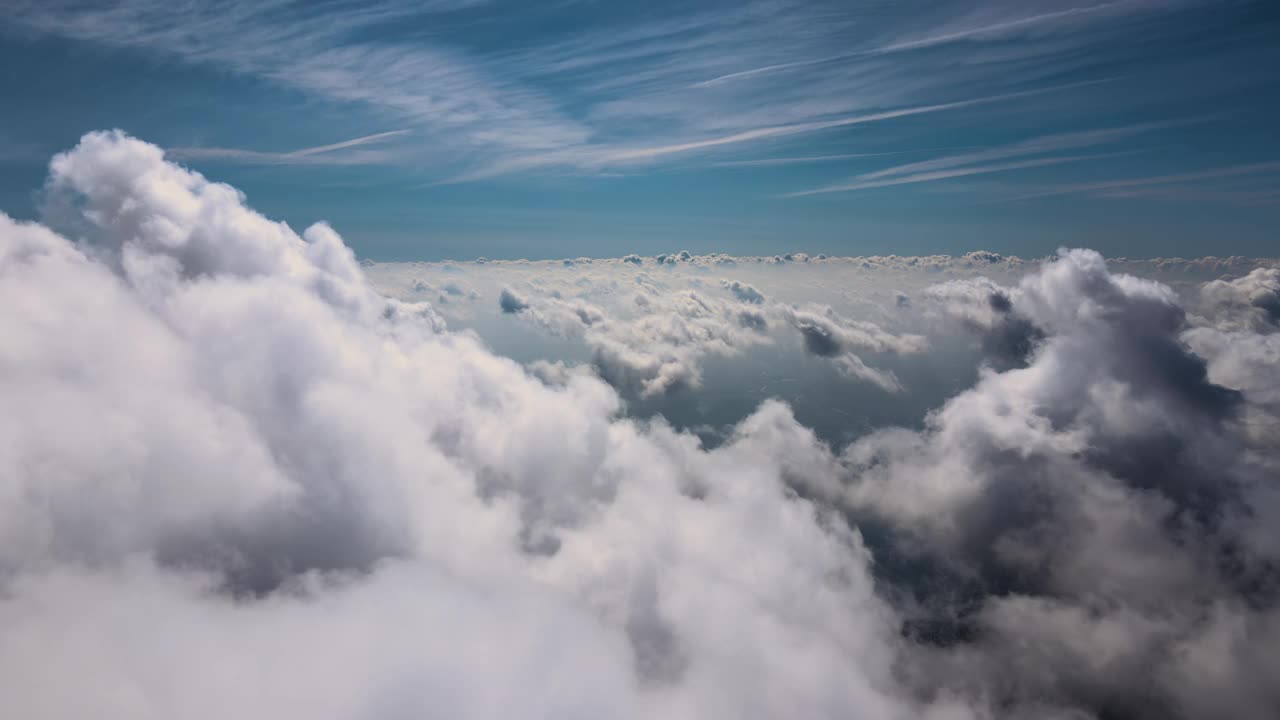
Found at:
<point>237,480</point>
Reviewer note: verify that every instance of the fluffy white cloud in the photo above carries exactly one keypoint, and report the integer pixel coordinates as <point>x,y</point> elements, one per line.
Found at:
<point>1252,301</point>
<point>632,313</point>
<point>654,345</point>
<point>237,480</point>
<point>649,330</point>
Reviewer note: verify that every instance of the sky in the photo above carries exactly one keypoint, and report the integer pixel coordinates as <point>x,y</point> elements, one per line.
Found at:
<point>897,360</point>
<point>455,129</point>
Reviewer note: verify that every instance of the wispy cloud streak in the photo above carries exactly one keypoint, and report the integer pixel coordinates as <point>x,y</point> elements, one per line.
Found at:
<point>766,162</point>
<point>1003,27</point>
<point>1035,146</point>
<point>1153,184</point>
<point>605,156</point>
<point>1014,156</point>
<point>991,30</point>
<point>947,174</point>
<point>626,87</point>
<point>320,154</point>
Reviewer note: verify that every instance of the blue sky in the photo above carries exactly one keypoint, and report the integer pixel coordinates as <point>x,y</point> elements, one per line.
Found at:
<point>453,129</point>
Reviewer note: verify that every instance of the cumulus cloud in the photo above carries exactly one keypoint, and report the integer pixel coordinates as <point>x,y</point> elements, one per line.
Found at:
<point>237,480</point>
<point>743,292</point>
<point>828,335</point>
<point>987,308</point>
<point>1252,301</point>
<point>660,349</point>
<point>651,345</point>
<point>1096,514</point>
<point>511,302</point>
<point>657,346</point>
<point>650,333</point>
<point>1236,331</point>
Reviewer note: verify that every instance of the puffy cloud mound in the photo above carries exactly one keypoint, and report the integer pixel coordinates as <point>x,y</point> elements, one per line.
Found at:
<point>1251,301</point>
<point>985,307</point>
<point>744,292</point>
<point>828,335</point>
<point>649,333</point>
<point>1237,334</point>
<point>1094,527</point>
<point>235,480</point>
<point>661,349</point>
<point>658,345</point>
<point>511,302</point>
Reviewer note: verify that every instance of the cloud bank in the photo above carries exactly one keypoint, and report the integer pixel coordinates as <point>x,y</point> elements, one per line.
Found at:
<point>237,480</point>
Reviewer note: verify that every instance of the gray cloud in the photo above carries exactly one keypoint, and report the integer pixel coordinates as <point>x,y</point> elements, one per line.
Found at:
<point>985,307</point>
<point>828,335</point>
<point>510,302</point>
<point>1088,523</point>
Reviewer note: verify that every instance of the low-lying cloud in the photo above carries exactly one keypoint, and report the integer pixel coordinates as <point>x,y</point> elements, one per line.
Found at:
<point>235,480</point>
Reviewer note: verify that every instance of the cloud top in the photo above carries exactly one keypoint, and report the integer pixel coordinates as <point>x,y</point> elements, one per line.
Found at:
<point>237,480</point>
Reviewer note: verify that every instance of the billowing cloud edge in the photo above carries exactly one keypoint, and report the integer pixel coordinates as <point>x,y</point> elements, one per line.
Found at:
<point>237,480</point>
